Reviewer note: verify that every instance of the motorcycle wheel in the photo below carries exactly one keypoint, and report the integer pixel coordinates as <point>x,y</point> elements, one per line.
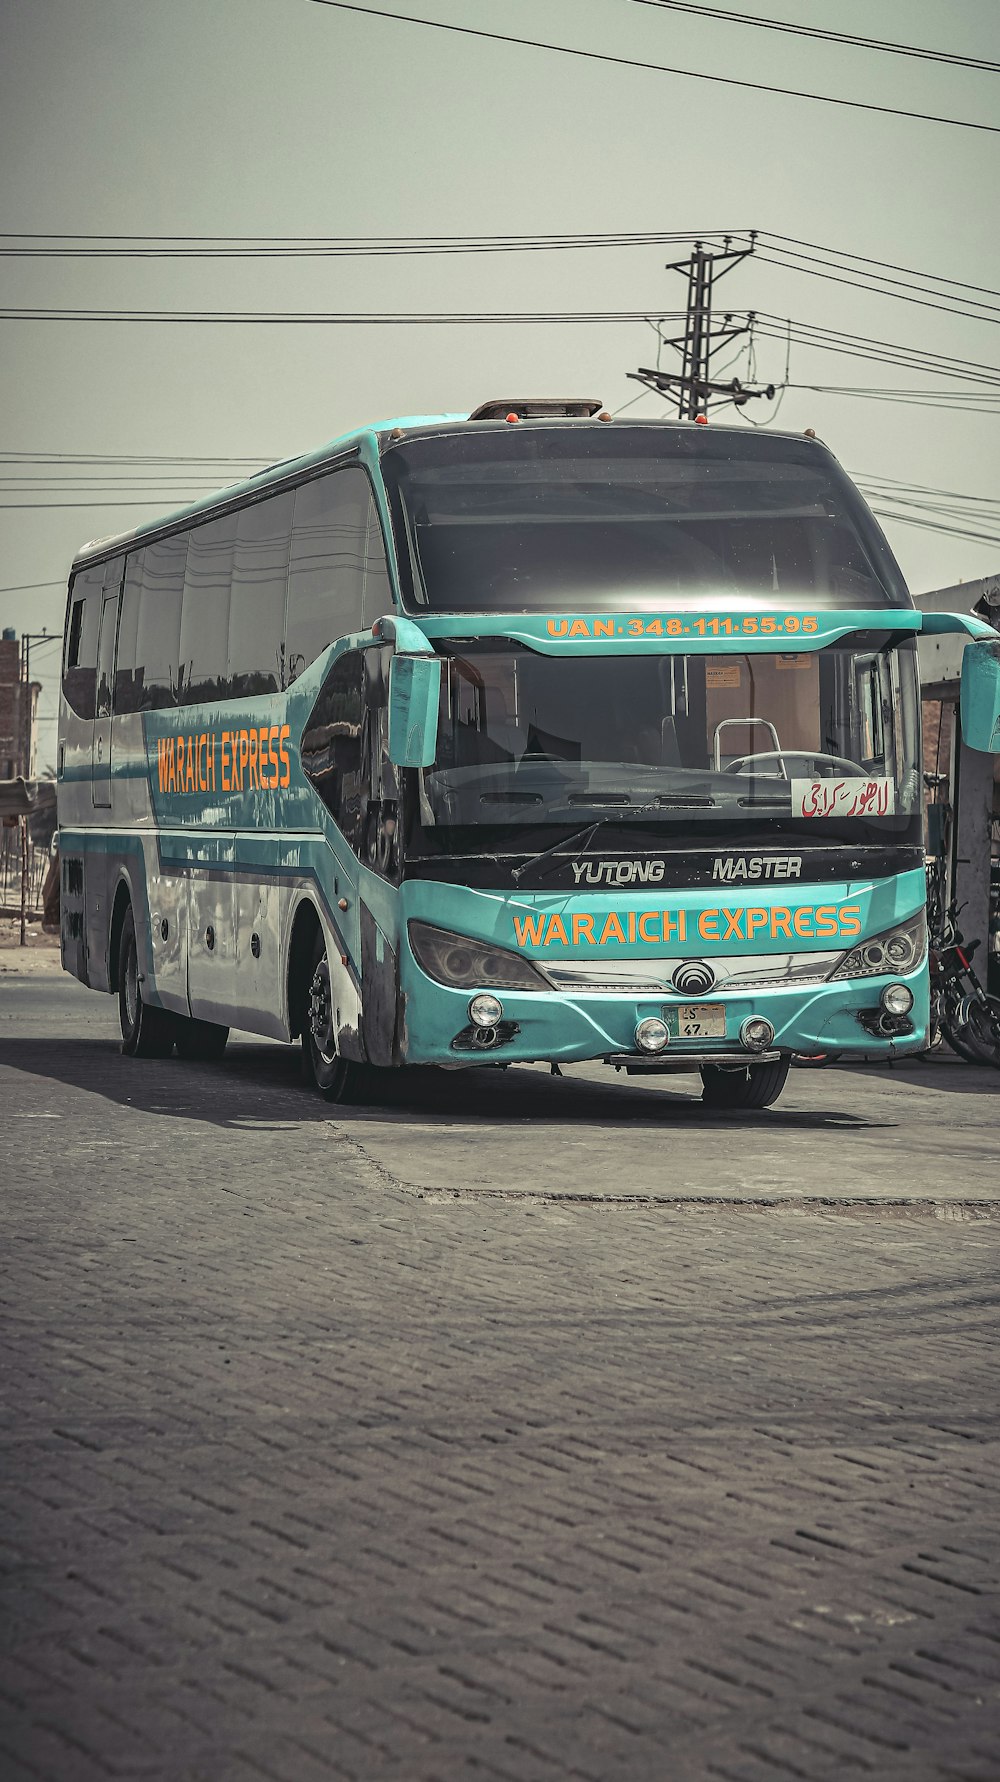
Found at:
<point>977,1039</point>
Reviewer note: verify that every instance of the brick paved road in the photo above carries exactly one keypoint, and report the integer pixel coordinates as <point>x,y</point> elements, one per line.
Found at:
<point>306,1476</point>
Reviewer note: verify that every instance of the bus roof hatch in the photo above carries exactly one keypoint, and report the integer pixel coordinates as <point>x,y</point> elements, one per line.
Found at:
<point>530,407</point>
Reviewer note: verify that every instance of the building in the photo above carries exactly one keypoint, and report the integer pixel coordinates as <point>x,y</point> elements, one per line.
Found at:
<point>18,712</point>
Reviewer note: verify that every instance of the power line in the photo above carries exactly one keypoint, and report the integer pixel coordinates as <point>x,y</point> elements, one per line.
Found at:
<point>948,308</point>
<point>726,80</point>
<point>281,247</point>
<point>27,587</point>
<point>340,319</point>
<point>887,265</point>
<point>815,31</point>
<point>363,245</point>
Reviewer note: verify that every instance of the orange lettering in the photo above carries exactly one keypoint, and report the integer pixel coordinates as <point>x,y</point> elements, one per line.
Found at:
<point>244,755</point>
<point>272,754</point>
<point>612,930</point>
<point>802,923</point>
<point>850,919</point>
<point>781,922</point>
<point>529,929</point>
<point>583,926</point>
<point>733,920</point>
<point>579,628</point>
<point>556,931</point>
<point>226,787</point>
<point>708,925</point>
<point>647,917</point>
<point>558,627</point>
<point>604,628</point>
<point>283,752</point>
<point>755,919</point>
<point>826,919</point>
<point>674,926</point>
<point>252,758</point>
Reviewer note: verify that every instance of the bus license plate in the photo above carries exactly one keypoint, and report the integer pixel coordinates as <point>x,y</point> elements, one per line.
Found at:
<point>696,1020</point>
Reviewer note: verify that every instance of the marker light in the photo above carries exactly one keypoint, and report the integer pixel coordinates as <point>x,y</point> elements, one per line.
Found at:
<point>756,1033</point>
<point>897,999</point>
<point>702,420</point>
<point>652,1035</point>
<point>485,1011</point>
<point>512,417</point>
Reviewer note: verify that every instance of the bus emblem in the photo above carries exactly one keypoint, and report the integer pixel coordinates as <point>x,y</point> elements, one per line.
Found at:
<point>693,977</point>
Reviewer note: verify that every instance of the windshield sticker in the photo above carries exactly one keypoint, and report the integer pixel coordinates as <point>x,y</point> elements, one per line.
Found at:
<point>718,625</point>
<point>843,798</point>
<point>663,927</point>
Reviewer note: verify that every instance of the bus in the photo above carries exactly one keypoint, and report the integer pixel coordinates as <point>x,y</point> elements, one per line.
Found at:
<point>527,736</point>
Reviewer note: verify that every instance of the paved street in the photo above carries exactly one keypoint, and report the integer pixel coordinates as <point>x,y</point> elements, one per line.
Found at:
<point>512,1428</point>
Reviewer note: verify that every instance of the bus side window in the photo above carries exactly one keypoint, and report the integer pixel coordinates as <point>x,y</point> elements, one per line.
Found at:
<point>332,743</point>
<point>204,634</point>
<point>128,679</point>
<point>326,565</point>
<point>157,648</point>
<point>257,611</point>
<point>109,637</point>
<point>83,624</point>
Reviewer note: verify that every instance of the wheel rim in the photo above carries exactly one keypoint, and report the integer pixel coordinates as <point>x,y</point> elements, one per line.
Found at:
<point>321,1014</point>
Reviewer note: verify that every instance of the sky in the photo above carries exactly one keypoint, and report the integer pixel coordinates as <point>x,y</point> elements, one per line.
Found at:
<point>289,118</point>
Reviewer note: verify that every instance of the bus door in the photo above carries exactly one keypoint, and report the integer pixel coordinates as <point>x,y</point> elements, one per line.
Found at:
<point>106,646</point>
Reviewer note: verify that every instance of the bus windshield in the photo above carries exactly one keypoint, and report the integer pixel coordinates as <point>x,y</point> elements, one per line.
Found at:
<point>822,744</point>
<point>538,519</point>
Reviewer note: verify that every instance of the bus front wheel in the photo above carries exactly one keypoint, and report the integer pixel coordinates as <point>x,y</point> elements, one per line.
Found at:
<point>146,1032</point>
<point>755,1086</point>
<point>335,1077</point>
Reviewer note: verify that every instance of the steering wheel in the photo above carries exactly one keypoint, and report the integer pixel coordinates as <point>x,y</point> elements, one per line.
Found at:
<point>835,763</point>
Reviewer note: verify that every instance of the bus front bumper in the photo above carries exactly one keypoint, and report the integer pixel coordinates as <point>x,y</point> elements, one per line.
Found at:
<point>552,1027</point>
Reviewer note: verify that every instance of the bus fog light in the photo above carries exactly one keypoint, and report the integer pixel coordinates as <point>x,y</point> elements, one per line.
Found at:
<point>897,999</point>
<point>756,1033</point>
<point>485,1011</point>
<point>652,1035</point>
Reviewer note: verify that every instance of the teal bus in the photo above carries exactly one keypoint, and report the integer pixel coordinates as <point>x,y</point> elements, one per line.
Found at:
<point>526,736</point>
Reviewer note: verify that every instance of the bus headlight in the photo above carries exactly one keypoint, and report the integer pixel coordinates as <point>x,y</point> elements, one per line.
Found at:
<point>465,964</point>
<point>897,950</point>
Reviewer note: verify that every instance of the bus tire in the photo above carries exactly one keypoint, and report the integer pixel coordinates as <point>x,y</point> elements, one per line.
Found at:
<point>200,1039</point>
<point>147,1032</point>
<point>756,1086</point>
<point>336,1078</point>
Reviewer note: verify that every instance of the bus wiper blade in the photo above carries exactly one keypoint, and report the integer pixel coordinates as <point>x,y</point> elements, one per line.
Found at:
<point>582,838</point>
<point>566,841</point>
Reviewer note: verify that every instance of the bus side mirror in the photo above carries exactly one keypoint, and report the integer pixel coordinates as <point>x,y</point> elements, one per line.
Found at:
<point>414,698</point>
<point>980,703</point>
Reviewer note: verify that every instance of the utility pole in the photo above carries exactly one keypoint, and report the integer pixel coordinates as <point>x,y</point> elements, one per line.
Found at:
<point>27,639</point>
<point>693,386</point>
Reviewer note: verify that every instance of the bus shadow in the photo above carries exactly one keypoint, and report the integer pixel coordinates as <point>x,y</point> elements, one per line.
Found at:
<point>260,1084</point>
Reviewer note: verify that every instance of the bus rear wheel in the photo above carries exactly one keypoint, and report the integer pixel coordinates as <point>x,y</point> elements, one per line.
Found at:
<point>336,1078</point>
<point>755,1086</point>
<point>147,1032</point>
